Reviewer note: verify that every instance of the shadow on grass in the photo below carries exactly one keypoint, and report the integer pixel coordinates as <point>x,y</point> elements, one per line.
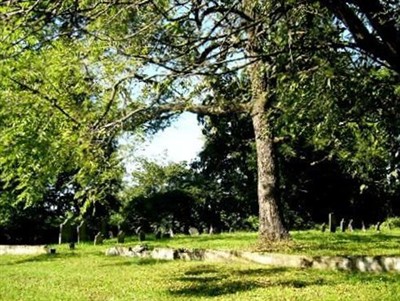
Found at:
<point>135,262</point>
<point>346,237</point>
<point>43,258</point>
<point>356,243</point>
<point>207,281</point>
<point>380,278</point>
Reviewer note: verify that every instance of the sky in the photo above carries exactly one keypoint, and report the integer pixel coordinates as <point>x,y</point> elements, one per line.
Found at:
<point>182,141</point>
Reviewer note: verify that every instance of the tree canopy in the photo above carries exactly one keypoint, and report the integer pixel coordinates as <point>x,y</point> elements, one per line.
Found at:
<point>89,71</point>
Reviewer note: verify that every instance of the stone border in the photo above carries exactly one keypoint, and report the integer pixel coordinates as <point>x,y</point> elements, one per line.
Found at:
<point>23,250</point>
<point>344,263</point>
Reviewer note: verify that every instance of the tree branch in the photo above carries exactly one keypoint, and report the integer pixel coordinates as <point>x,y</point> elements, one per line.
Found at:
<point>146,114</point>
<point>52,101</point>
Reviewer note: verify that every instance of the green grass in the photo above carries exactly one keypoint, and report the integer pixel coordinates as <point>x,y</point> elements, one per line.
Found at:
<point>369,243</point>
<point>86,274</point>
<point>302,242</point>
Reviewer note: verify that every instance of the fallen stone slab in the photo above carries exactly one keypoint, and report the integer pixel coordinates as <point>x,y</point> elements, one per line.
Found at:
<point>23,250</point>
<point>345,263</point>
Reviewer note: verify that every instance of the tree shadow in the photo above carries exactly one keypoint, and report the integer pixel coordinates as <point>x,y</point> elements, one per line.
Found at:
<point>44,258</point>
<point>347,243</point>
<point>207,281</point>
<point>135,262</point>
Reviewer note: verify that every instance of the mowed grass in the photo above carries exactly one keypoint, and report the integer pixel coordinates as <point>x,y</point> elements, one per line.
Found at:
<point>310,242</point>
<point>87,274</point>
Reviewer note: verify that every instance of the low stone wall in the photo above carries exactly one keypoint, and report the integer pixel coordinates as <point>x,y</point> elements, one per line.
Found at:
<point>23,250</point>
<point>346,263</point>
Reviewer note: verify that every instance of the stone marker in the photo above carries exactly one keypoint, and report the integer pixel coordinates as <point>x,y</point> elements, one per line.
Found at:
<point>141,235</point>
<point>110,234</point>
<point>350,226</point>
<point>323,227</point>
<point>332,222</point>
<point>24,250</point>
<point>81,232</point>
<point>378,226</point>
<point>342,227</point>
<point>98,239</point>
<point>171,233</point>
<point>363,228</point>
<point>211,230</point>
<point>121,237</point>
<point>193,231</point>
<point>65,234</point>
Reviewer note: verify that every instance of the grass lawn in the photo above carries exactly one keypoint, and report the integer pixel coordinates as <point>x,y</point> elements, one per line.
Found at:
<point>303,242</point>
<point>86,274</point>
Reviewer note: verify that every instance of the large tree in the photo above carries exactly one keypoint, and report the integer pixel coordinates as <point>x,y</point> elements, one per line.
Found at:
<point>151,59</point>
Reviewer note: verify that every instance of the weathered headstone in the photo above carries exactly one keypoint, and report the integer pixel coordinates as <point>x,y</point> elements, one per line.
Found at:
<point>65,234</point>
<point>168,234</point>
<point>363,228</point>
<point>211,230</point>
<point>81,232</point>
<point>342,226</point>
<point>158,234</point>
<point>378,226</point>
<point>323,227</point>
<point>193,231</point>
<point>332,222</point>
<point>110,234</point>
<point>141,235</point>
<point>350,226</point>
<point>121,237</point>
<point>98,239</point>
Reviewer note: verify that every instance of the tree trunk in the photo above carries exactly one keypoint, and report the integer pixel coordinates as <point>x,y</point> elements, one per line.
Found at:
<point>271,227</point>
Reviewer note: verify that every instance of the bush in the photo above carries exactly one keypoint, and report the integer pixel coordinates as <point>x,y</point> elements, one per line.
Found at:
<point>391,223</point>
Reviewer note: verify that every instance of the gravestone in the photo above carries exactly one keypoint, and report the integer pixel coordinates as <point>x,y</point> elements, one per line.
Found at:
<point>65,234</point>
<point>141,235</point>
<point>323,227</point>
<point>98,239</point>
<point>332,222</point>
<point>72,245</point>
<point>211,230</point>
<point>193,231</point>
<point>168,234</point>
<point>121,237</point>
<point>350,226</point>
<point>378,226</point>
<point>342,227</point>
<point>159,232</point>
<point>81,232</point>
<point>110,234</point>
<point>363,228</point>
